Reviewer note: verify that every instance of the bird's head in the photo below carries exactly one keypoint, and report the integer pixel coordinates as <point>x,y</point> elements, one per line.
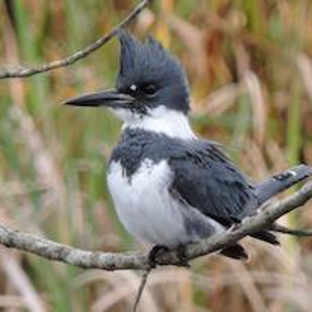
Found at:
<point>151,84</point>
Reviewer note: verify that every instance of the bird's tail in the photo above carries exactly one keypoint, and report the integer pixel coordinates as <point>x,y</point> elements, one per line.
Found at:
<point>271,187</point>
<point>282,181</point>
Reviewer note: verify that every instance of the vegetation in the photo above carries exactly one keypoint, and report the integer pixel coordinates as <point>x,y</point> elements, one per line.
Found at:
<point>250,68</point>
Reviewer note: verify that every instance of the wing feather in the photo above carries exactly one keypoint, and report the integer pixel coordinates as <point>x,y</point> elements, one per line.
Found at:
<point>207,180</point>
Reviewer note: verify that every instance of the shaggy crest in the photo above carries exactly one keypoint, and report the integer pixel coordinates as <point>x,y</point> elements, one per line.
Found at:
<point>148,63</point>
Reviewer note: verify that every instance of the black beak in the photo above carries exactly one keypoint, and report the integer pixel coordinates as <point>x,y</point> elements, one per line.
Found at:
<point>110,98</point>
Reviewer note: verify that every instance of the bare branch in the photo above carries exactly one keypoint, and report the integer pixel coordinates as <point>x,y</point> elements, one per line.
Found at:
<point>121,261</point>
<point>64,253</point>
<point>22,71</point>
<point>295,232</point>
<point>141,288</point>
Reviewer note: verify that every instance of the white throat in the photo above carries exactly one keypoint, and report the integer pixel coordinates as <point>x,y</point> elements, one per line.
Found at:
<point>163,120</point>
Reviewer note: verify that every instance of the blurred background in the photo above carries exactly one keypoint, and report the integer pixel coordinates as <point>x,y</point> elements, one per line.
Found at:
<point>250,68</point>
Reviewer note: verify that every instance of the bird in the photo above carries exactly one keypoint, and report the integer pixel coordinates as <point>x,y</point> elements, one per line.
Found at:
<point>169,186</point>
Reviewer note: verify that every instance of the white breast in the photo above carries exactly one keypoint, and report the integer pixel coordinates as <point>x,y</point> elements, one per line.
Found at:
<point>144,204</point>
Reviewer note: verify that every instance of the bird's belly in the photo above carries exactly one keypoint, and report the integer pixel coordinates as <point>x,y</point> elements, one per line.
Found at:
<point>144,204</point>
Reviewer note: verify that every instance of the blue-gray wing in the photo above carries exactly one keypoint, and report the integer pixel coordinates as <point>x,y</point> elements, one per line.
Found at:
<point>206,179</point>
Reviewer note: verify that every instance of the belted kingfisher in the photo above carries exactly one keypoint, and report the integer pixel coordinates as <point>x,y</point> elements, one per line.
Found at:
<point>169,186</point>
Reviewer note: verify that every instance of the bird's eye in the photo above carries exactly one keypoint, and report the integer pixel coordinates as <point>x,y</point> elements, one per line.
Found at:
<point>149,89</point>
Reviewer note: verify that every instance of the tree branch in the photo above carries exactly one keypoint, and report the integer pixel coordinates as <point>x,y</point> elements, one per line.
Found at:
<point>133,260</point>
<point>141,288</point>
<point>295,232</point>
<point>22,71</point>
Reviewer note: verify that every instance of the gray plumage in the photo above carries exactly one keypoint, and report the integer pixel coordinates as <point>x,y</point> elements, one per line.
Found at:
<point>203,175</point>
<point>204,178</point>
<point>149,64</point>
<point>281,181</point>
<point>170,187</point>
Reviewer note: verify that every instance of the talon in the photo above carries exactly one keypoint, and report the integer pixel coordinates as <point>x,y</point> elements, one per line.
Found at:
<point>154,254</point>
<point>183,260</point>
<point>234,227</point>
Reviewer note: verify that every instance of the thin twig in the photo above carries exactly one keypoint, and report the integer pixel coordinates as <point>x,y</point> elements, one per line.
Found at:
<point>137,261</point>
<point>23,71</point>
<point>141,288</point>
<point>295,232</point>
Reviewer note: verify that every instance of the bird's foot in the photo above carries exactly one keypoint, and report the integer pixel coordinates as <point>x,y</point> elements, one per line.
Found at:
<point>234,227</point>
<point>157,250</point>
<point>183,260</point>
<point>154,253</point>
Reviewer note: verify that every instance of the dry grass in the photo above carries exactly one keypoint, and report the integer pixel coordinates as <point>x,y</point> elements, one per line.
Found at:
<point>250,67</point>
